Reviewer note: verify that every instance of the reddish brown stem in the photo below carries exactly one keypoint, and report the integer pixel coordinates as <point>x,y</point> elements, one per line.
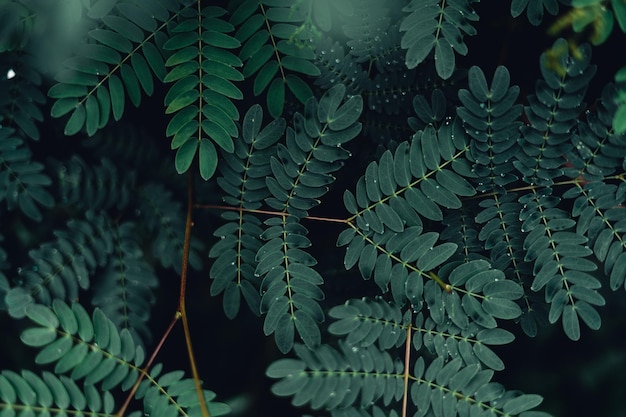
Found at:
<point>144,371</point>
<point>267,212</point>
<point>181,311</point>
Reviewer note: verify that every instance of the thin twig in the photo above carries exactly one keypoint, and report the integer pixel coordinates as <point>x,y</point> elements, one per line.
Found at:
<point>407,362</point>
<point>181,299</point>
<point>267,212</point>
<point>144,371</point>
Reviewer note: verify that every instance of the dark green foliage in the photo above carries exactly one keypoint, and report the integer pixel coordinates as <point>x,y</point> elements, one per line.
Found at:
<point>23,180</point>
<point>480,214</point>
<point>534,9</point>
<point>440,27</point>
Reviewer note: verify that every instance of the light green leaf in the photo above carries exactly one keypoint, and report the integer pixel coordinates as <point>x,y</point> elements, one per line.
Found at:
<point>301,90</point>
<point>307,329</point>
<point>76,121</point>
<point>276,97</point>
<point>416,54</point>
<point>140,66</point>
<point>522,403</point>
<point>63,106</point>
<point>185,155</point>
<point>488,357</point>
<point>347,114</point>
<point>207,159</point>
<point>300,65</point>
<point>218,135</point>
<point>92,110</point>
<point>455,183</point>
<point>439,194</point>
<point>118,97</point>
<point>264,77</point>
<point>54,351</point>
<point>444,59</point>
<point>436,256</point>
<point>571,324</point>
<point>502,308</point>
<point>38,336</point>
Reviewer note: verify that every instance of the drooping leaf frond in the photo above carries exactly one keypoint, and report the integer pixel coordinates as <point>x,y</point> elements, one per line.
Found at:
<point>553,112</point>
<point>62,267</point>
<point>244,172</point>
<point>203,71</point>
<point>118,63</point>
<point>124,290</point>
<point>490,116</point>
<point>50,394</point>
<point>169,394</point>
<point>326,378</point>
<point>83,347</point>
<point>93,187</point>
<point>275,48</point>
<point>439,26</point>
<point>395,197</point>
<point>357,379</point>
<point>23,181</point>
<point>20,95</point>
<point>300,172</point>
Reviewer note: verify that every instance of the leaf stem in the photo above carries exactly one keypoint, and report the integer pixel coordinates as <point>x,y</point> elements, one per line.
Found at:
<point>407,358</point>
<point>145,369</point>
<point>180,310</point>
<point>268,212</point>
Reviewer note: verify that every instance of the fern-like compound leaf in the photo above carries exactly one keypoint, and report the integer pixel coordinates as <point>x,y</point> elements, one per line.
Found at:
<point>89,348</point>
<point>597,151</point>
<point>470,344</point>
<point>366,27</point>
<point>300,172</point>
<point>392,201</point>
<point>116,63</point>
<point>24,181</point>
<point>93,186</point>
<point>560,268</point>
<point>451,389</point>
<point>243,180</point>
<point>313,150</point>
<point>490,116</point>
<point>365,322</point>
<point>62,267</point>
<point>290,292</point>
<point>20,96</point>
<point>553,112</point>
<point>170,394</point>
<point>202,72</point>
<point>124,290</point>
<point>328,378</point>
<point>274,49</point>
<point>50,394</point>
<point>439,26</point>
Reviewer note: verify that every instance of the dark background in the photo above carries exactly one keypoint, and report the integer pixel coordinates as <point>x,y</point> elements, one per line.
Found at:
<point>576,378</point>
